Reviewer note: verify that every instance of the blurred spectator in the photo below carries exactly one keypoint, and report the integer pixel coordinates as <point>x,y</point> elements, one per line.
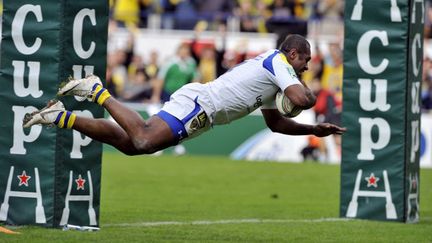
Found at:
<point>186,15</point>
<point>330,9</point>
<point>135,64</point>
<point>287,18</point>
<point>330,13</point>
<point>207,64</point>
<point>312,149</point>
<point>117,71</point>
<point>213,62</point>
<point>109,82</point>
<point>263,14</point>
<point>225,60</point>
<point>214,6</point>
<point>129,50</point>
<point>301,10</point>
<point>177,72</point>
<point>127,12</point>
<point>333,71</point>
<point>215,9</point>
<point>230,60</point>
<point>112,28</point>
<point>327,108</point>
<point>282,8</point>
<point>138,88</point>
<point>208,58</point>
<point>146,7</point>
<point>152,67</point>
<point>169,8</point>
<point>316,65</point>
<point>245,12</point>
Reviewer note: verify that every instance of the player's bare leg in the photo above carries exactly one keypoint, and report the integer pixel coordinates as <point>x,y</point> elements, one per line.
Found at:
<point>132,135</point>
<point>106,132</point>
<point>145,136</point>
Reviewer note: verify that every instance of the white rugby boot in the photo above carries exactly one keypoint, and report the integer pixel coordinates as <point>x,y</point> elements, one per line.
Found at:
<point>45,116</point>
<point>82,89</point>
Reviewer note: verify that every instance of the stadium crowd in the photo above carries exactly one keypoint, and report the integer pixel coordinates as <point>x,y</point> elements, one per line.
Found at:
<point>254,15</point>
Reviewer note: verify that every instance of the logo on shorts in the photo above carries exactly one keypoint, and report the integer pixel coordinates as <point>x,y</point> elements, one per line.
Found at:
<point>199,121</point>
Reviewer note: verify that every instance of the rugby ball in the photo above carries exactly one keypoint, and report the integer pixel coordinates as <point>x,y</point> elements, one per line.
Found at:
<point>285,106</point>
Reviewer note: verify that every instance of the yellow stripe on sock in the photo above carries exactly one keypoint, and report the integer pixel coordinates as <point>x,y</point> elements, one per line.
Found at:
<point>96,91</point>
<point>103,97</point>
<point>62,120</point>
<point>71,121</point>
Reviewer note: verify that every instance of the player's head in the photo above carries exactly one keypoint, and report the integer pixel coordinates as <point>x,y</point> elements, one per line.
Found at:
<point>297,51</point>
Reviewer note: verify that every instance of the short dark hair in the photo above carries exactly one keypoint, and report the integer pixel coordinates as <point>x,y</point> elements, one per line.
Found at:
<point>294,41</point>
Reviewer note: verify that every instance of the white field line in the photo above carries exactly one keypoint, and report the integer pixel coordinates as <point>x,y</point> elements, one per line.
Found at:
<point>227,221</point>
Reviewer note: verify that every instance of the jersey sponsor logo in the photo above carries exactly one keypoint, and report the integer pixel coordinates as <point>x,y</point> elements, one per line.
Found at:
<point>258,102</point>
<point>199,121</point>
<point>291,71</point>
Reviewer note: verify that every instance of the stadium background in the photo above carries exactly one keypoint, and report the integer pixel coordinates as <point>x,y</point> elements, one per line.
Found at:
<point>221,34</point>
<point>241,29</point>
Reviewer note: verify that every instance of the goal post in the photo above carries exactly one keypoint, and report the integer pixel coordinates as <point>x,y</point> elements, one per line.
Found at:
<point>383,51</point>
<point>45,172</point>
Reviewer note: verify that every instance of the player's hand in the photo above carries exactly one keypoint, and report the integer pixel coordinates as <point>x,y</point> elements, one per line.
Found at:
<point>325,129</point>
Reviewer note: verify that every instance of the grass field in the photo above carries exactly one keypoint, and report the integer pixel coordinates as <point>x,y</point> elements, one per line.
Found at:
<point>213,199</point>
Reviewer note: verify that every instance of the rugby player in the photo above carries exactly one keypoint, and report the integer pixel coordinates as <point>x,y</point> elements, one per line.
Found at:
<point>195,108</point>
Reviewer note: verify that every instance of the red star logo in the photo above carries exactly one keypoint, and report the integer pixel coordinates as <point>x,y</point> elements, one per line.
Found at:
<point>23,179</point>
<point>372,180</point>
<point>80,182</point>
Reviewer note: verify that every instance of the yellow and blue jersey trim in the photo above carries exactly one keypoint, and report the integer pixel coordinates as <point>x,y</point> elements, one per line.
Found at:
<point>268,62</point>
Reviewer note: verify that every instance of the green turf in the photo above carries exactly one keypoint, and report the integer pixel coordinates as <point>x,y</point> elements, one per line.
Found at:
<point>136,190</point>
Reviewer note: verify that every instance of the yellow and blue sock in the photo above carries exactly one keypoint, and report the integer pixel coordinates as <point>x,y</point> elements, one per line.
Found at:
<point>65,119</point>
<point>100,94</point>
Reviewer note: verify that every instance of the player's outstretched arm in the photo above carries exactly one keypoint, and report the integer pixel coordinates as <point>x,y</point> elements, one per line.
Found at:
<point>325,129</point>
<point>277,123</point>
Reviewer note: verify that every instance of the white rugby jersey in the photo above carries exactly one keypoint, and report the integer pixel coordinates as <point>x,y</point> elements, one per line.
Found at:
<point>248,86</point>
